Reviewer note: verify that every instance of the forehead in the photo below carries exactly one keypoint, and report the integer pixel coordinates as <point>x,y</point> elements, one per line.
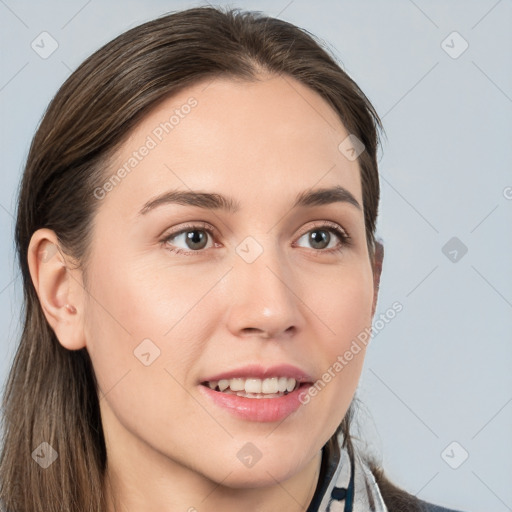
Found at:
<point>265,135</point>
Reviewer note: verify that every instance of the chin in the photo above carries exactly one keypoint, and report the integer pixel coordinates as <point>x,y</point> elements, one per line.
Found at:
<point>258,476</point>
<point>276,466</point>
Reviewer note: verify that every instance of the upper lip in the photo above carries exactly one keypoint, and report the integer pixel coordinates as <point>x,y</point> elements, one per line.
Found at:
<point>257,371</point>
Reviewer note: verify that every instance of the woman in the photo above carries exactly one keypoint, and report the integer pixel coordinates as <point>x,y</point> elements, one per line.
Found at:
<point>196,234</point>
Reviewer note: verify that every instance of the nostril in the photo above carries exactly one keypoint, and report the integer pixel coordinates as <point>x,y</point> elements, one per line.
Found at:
<point>251,329</point>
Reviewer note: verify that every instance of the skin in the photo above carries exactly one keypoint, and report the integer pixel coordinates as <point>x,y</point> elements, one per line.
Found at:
<point>169,447</point>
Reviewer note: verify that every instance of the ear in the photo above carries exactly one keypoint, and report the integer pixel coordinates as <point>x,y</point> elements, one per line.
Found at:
<point>59,288</point>
<point>378,258</point>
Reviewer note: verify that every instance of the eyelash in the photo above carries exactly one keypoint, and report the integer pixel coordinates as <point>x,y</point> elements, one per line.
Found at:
<point>345,239</point>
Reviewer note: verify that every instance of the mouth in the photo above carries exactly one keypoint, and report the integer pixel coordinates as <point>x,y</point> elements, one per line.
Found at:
<point>270,387</point>
<point>256,393</point>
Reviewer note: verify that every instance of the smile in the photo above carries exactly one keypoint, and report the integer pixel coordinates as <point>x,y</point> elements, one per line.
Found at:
<point>273,387</point>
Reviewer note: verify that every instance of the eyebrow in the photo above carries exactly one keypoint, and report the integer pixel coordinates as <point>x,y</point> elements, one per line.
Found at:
<point>318,197</point>
<point>214,201</point>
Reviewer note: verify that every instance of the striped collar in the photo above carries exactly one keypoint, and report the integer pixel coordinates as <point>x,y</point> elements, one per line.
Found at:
<point>346,484</point>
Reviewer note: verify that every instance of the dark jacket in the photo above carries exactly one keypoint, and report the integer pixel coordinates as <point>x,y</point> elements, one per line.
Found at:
<point>429,507</point>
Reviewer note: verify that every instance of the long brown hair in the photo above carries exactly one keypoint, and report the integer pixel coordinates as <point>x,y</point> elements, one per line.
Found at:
<point>51,393</point>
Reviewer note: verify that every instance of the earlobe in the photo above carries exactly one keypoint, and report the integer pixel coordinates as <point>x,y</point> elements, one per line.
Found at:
<point>377,271</point>
<point>60,293</point>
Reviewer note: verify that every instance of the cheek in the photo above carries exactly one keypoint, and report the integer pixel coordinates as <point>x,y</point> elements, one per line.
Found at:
<point>137,312</point>
<point>137,315</point>
<point>345,309</point>
<point>346,305</point>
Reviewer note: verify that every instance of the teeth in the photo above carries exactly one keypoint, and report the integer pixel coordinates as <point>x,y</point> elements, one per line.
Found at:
<point>254,387</point>
<point>223,384</point>
<point>270,385</point>
<point>237,384</point>
<point>282,383</point>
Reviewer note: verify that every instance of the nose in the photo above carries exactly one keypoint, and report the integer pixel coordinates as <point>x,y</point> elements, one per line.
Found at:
<point>264,297</point>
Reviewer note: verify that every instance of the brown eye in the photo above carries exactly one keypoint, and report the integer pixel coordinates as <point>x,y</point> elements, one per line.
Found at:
<point>188,240</point>
<point>196,239</point>
<point>325,238</point>
<point>319,238</point>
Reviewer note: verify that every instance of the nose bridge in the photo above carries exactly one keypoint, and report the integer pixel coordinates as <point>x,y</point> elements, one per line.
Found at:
<point>263,289</point>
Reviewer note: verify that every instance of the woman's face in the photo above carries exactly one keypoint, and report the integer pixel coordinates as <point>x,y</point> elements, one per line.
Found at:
<point>247,284</point>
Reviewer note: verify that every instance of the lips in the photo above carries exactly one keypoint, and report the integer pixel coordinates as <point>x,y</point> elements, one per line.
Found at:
<point>275,388</point>
<point>256,371</point>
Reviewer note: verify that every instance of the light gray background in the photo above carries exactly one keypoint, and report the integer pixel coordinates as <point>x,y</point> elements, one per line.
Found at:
<point>440,371</point>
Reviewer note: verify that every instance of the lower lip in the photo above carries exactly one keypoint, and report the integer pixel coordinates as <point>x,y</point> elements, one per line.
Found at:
<point>257,409</point>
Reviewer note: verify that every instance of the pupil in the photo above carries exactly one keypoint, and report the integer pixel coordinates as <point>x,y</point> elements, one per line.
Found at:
<point>322,239</point>
<point>196,237</point>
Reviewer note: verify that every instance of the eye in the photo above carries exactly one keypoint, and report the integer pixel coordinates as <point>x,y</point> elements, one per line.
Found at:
<point>326,237</point>
<point>191,239</point>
